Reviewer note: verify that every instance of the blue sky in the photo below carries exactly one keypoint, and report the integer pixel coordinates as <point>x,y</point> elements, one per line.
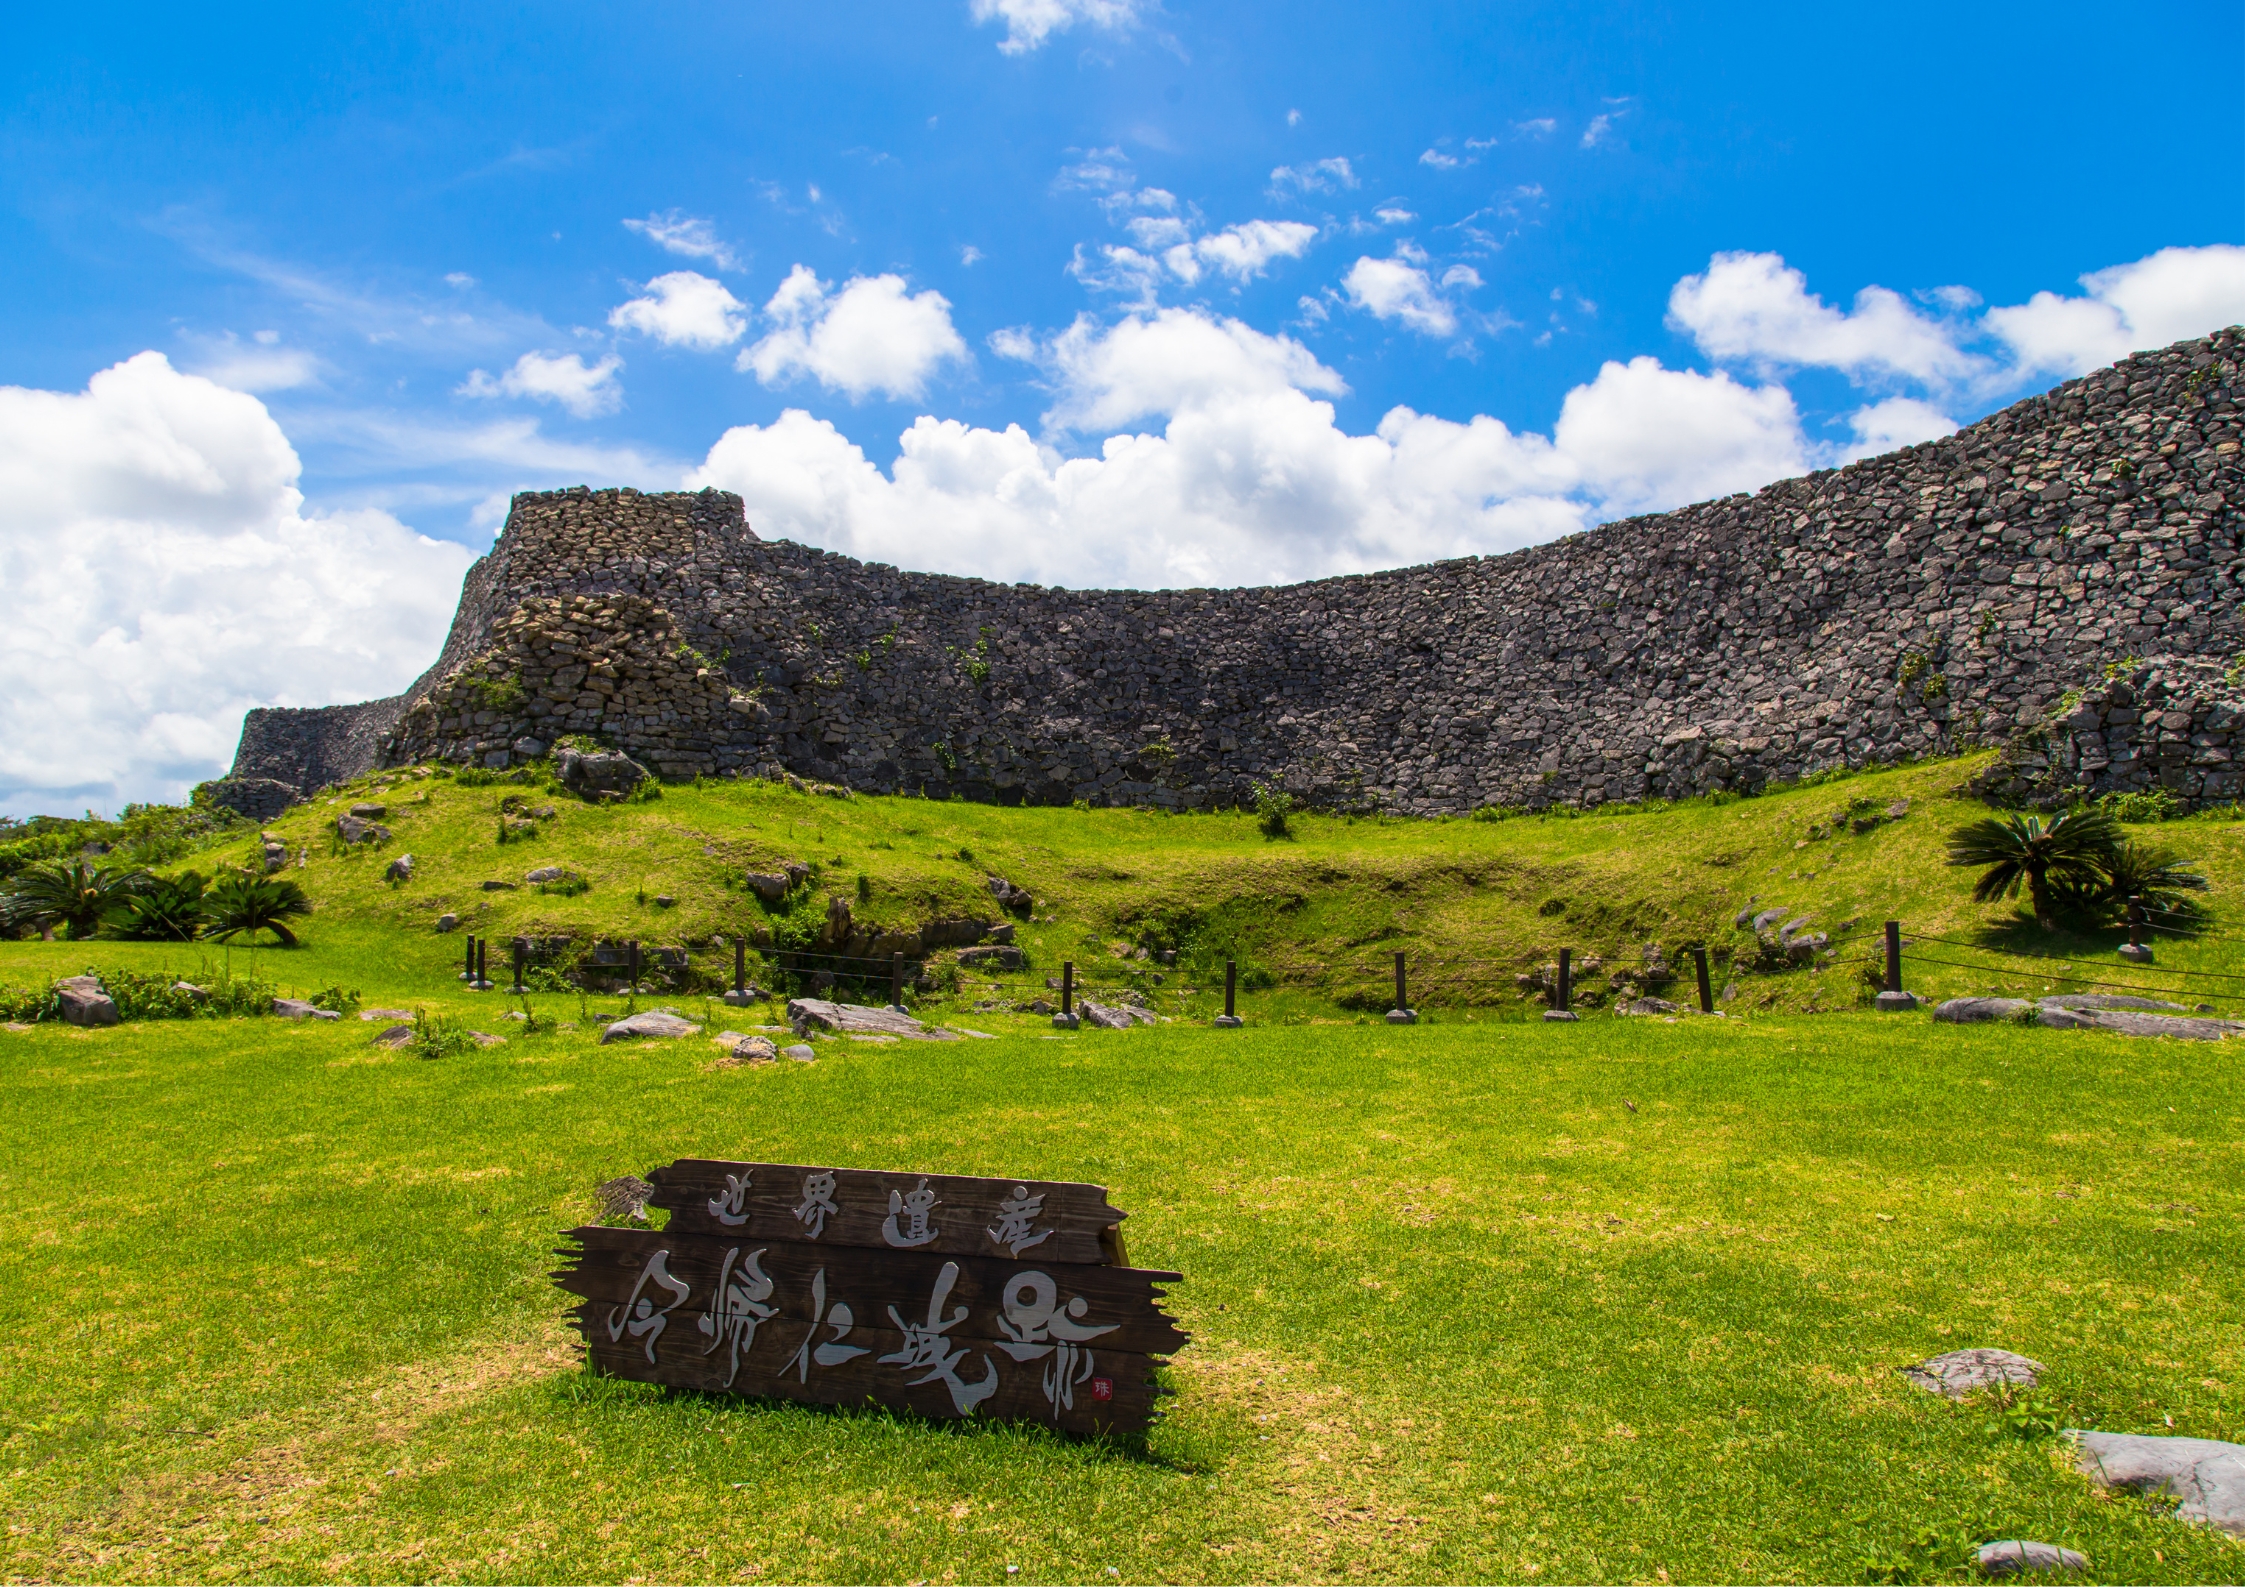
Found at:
<point>1263,292</point>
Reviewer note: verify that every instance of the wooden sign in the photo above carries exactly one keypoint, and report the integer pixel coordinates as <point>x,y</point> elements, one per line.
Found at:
<point>937,1293</point>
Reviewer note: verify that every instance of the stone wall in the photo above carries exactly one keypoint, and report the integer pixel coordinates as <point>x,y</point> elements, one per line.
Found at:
<point>2172,724</point>
<point>286,752</point>
<point>1937,597</point>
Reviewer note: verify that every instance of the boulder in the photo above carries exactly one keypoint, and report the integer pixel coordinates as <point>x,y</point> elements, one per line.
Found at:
<point>2124,1023</point>
<point>1113,1016</point>
<point>399,869</point>
<point>1768,918</point>
<point>2208,1476</point>
<point>655,1022</point>
<point>1806,946</point>
<point>2079,1000</point>
<point>84,1002</point>
<point>1005,957</point>
<point>370,812</point>
<point>772,886</point>
<point>1961,1371</point>
<point>1981,1010</point>
<point>395,1037</point>
<point>355,829</point>
<point>498,887</point>
<point>811,1013</point>
<point>1898,1002</point>
<point>448,922</point>
<point>605,774</point>
<point>548,873</point>
<point>298,1008</point>
<point>2011,1555</point>
<point>752,1050</point>
<point>1013,900</point>
<point>800,1053</point>
<point>276,856</point>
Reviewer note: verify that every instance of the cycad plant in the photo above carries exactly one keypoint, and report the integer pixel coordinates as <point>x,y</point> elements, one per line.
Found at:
<point>170,910</point>
<point>72,894</point>
<point>2068,851</point>
<point>2162,879</point>
<point>242,904</point>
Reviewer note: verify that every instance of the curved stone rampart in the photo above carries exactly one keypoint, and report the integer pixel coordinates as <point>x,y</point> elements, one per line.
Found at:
<point>1909,604</point>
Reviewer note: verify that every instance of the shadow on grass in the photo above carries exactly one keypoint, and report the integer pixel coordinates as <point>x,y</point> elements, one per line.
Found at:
<point>1159,1448</point>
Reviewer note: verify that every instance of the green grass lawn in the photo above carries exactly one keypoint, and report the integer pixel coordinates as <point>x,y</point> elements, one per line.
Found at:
<point>276,1305</point>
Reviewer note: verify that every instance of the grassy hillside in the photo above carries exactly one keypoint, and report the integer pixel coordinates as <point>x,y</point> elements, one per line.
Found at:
<point>277,1304</point>
<point>1313,917</point>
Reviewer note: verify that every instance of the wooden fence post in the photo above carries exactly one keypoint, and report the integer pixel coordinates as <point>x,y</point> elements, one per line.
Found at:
<point>1706,987</point>
<point>2136,952</point>
<point>896,982</point>
<point>1891,998</point>
<point>1066,1019</point>
<point>1565,1010</point>
<point>1402,1013</point>
<point>1229,1019</point>
<point>521,963</point>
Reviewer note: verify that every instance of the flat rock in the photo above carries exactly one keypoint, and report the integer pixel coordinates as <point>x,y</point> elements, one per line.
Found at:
<point>1890,1002</point>
<point>370,812</point>
<point>2125,1023</point>
<point>395,1037</point>
<point>1646,1005</point>
<point>1113,1016</point>
<point>385,1013</point>
<point>750,1049</point>
<point>655,1022</point>
<point>484,1038</point>
<point>1961,1371</point>
<point>2011,1555</point>
<point>547,873</point>
<point>198,993</point>
<point>297,1008</point>
<point>2079,1000</point>
<point>498,887</point>
<point>808,1013</point>
<point>1981,1010</point>
<point>2208,1476</point>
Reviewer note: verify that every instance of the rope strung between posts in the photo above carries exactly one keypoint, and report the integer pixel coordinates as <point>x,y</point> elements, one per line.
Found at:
<point>2070,980</point>
<point>2052,958</point>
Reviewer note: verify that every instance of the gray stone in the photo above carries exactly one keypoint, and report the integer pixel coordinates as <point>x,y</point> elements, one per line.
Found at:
<point>743,998</point>
<point>1768,918</point>
<point>2123,1023</point>
<point>399,869</point>
<point>1981,1010</point>
<point>448,922</point>
<point>754,1050</point>
<point>2009,1556</point>
<point>83,1002</point>
<point>2208,1476</point>
<point>1959,1372</point>
<point>801,1053</point>
<point>810,1013</point>
<point>603,775</point>
<point>1004,957</point>
<point>1557,1016</point>
<point>1403,1016</point>
<point>499,887</point>
<point>1107,1016</point>
<point>2136,952</point>
<point>1897,1002</point>
<point>655,1022</point>
<point>1646,1005</point>
<point>1806,946</point>
<point>546,873</point>
<point>1073,1021</point>
<point>355,829</point>
<point>198,993</point>
<point>2080,1000</point>
<point>298,1008</point>
<point>623,1197</point>
<point>371,1014</point>
<point>370,812</point>
<point>772,886</point>
<point>395,1037</point>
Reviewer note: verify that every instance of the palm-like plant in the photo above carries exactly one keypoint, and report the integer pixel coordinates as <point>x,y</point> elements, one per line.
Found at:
<point>2024,851</point>
<point>73,894</point>
<point>2160,877</point>
<point>169,911</point>
<point>242,904</point>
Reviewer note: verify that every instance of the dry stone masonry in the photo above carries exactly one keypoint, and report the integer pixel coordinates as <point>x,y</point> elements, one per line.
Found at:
<point>2046,576</point>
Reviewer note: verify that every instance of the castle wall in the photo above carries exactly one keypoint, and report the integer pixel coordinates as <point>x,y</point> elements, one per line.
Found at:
<point>1948,594</point>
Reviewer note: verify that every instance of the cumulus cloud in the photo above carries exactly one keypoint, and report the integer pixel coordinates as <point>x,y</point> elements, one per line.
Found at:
<point>1248,478</point>
<point>1030,22</point>
<point>872,336</point>
<point>1540,127</point>
<point>2164,298</point>
<point>163,578</point>
<point>1754,308</point>
<point>687,236</point>
<point>1441,161</point>
<point>584,391</point>
<point>1397,289</point>
<point>1319,176</point>
<point>684,309</point>
<point>1241,252</point>
<point>1895,423</point>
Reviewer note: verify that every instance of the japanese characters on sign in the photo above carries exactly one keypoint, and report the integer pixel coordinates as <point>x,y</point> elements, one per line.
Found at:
<point>949,1295</point>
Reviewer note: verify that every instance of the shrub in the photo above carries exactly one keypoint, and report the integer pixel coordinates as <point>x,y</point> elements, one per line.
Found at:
<point>2022,851</point>
<point>171,910</point>
<point>336,1000</point>
<point>2140,808</point>
<point>434,1036</point>
<point>1274,808</point>
<point>74,894</point>
<point>2160,877</point>
<point>241,904</point>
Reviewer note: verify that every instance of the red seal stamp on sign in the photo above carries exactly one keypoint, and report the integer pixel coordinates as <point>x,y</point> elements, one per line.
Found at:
<point>1102,1388</point>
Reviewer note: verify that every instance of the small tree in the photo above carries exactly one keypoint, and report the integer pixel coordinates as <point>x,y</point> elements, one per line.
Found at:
<point>2160,877</point>
<point>1273,809</point>
<point>171,910</point>
<point>242,904</point>
<point>73,894</point>
<point>2072,850</point>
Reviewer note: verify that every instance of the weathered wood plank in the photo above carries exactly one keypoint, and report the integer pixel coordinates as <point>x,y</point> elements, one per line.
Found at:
<point>1083,1391</point>
<point>793,1282</point>
<point>954,1214</point>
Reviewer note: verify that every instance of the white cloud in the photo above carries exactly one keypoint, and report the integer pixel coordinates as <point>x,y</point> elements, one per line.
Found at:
<point>1157,231</point>
<point>585,392</point>
<point>687,236</point>
<point>1646,438</point>
<point>1461,275</point>
<point>970,255</point>
<point>1441,161</point>
<point>1394,217</point>
<point>1318,176</point>
<point>1243,251</point>
<point>1895,423</point>
<point>684,309</point>
<point>1754,308</point>
<point>162,578</point>
<point>872,336</point>
<point>1124,271</point>
<point>1170,361</point>
<point>1293,118</point>
<point>1249,479</point>
<point>1540,127</point>
<point>1595,133</point>
<point>1030,22</point>
<point>260,364</point>
<point>1099,171</point>
<point>1395,289</point>
<point>2164,298</point>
